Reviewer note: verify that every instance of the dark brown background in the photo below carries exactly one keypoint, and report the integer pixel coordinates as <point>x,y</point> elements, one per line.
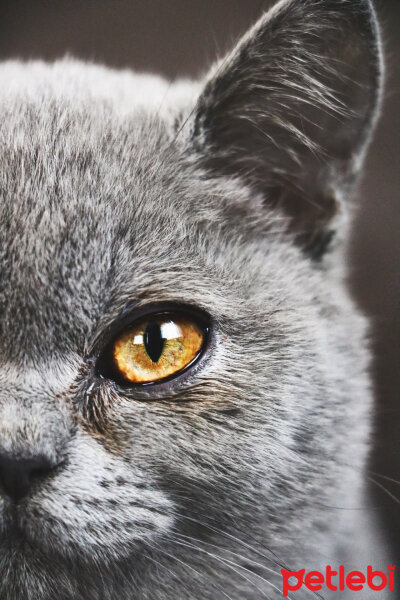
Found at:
<point>180,38</point>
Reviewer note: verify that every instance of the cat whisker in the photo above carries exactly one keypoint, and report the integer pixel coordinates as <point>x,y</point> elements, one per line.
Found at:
<point>277,561</point>
<point>246,558</point>
<point>163,551</point>
<point>382,487</point>
<point>152,559</point>
<point>384,477</point>
<point>240,556</point>
<point>232,565</point>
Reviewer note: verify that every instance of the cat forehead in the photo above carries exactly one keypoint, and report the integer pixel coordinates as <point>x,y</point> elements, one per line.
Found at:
<point>68,119</point>
<point>76,137</point>
<point>89,176</point>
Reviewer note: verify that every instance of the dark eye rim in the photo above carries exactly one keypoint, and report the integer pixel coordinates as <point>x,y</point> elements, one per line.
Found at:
<point>105,367</point>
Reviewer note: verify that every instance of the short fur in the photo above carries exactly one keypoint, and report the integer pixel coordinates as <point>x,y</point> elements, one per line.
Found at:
<point>232,195</point>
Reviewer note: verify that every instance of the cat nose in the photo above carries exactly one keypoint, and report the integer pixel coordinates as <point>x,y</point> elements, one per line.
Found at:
<point>18,475</point>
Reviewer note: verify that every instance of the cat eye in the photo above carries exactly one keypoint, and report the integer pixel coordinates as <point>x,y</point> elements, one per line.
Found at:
<point>157,347</point>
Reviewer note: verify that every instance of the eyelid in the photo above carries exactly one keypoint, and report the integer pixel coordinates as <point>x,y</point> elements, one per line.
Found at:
<point>128,319</point>
<point>134,311</point>
<point>106,325</point>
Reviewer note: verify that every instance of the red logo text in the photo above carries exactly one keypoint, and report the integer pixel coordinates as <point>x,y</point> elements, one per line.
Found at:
<point>337,580</point>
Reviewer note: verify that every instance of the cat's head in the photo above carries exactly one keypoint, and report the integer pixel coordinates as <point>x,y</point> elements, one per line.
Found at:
<point>190,233</point>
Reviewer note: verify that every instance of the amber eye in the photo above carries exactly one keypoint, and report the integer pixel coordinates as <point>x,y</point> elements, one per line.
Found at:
<point>157,347</point>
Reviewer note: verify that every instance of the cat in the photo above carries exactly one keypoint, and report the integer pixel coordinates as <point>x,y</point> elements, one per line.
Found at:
<point>219,209</point>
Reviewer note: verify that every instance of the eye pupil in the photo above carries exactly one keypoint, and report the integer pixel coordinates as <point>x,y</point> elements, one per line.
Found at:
<point>153,341</point>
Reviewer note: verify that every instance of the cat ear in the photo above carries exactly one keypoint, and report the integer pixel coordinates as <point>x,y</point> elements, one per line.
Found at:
<point>292,107</point>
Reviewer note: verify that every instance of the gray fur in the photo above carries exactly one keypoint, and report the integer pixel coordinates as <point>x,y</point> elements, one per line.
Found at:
<point>117,189</point>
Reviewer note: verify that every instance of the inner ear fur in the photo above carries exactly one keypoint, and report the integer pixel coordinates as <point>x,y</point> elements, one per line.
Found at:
<point>291,109</point>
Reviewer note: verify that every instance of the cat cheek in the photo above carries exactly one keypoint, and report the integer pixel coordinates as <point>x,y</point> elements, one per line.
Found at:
<point>99,499</point>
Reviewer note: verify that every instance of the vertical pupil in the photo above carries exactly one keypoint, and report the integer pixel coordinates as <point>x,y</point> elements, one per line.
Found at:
<point>153,341</point>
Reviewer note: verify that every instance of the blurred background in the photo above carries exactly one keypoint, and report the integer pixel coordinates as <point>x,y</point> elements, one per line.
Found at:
<point>180,38</point>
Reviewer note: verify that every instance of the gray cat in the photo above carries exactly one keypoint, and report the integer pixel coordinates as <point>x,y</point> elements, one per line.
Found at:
<point>184,391</point>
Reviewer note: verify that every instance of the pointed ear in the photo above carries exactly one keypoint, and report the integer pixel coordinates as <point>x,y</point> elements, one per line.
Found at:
<point>291,109</point>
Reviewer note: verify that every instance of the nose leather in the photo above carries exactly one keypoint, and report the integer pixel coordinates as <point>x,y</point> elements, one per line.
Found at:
<point>19,475</point>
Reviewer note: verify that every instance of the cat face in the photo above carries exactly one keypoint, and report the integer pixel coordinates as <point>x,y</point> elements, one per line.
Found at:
<point>121,202</point>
